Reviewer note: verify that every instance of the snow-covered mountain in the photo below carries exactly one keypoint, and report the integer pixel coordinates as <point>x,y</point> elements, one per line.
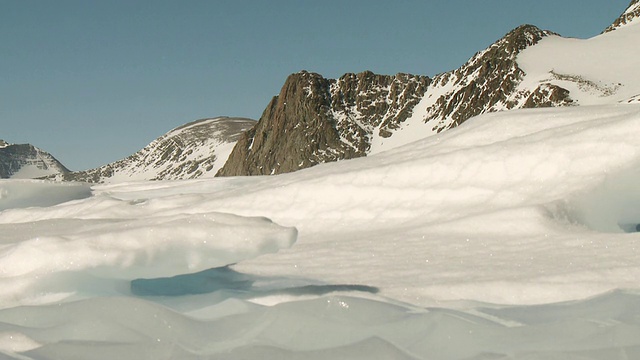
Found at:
<point>25,161</point>
<point>194,150</point>
<point>315,120</point>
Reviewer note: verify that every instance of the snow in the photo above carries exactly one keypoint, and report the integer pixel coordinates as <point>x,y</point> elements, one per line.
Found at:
<point>197,149</point>
<point>33,171</point>
<point>600,70</point>
<point>511,236</point>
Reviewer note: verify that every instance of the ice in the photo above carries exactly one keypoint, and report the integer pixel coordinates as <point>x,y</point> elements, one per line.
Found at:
<point>104,240</point>
<point>605,327</point>
<point>28,193</point>
<point>509,237</point>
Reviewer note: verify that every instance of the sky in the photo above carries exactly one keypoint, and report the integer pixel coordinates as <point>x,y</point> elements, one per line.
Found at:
<point>92,82</point>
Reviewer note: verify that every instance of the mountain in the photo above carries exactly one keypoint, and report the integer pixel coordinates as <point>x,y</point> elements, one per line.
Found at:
<point>25,161</point>
<point>197,149</point>
<point>315,120</point>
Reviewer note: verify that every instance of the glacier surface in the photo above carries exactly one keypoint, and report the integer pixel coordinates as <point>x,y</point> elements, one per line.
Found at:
<point>512,236</point>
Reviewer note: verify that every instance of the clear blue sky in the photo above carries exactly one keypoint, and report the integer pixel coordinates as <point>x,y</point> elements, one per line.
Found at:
<point>94,81</point>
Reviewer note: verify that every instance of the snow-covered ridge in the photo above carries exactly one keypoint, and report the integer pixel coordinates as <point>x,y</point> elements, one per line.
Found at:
<point>628,17</point>
<point>197,149</point>
<point>600,70</point>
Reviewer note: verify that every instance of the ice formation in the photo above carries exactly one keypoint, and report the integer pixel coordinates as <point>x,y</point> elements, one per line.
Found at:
<point>446,248</point>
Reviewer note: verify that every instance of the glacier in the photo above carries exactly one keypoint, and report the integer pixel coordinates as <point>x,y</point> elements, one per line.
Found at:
<point>511,236</point>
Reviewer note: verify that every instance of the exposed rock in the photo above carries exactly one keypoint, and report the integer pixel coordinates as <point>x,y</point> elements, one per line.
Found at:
<point>315,120</point>
<point>632,12</point>
<point>488,82</point>
<point>27,161</point>
<point>548,95</point>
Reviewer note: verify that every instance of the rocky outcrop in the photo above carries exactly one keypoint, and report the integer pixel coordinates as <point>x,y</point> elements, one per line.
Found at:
<point>315,120</point>
<point>197,149</point>
<point>27,161</point>
<point>488,82</point>
<point>632,13</point>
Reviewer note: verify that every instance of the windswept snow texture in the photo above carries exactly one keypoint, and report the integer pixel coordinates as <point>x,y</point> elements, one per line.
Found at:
<point>512,236</point>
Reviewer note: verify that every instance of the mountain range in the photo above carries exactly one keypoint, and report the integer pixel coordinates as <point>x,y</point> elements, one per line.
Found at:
<point>315,120</point>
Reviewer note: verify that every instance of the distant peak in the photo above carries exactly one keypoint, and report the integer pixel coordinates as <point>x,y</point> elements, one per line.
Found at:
<point>628,16</point>
<point>524,36</point>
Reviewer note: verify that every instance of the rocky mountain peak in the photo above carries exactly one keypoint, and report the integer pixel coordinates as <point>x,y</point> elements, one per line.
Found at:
<point>488,82</point>
<point>26,161</point>
<point>315,120</point>
<point>630,14</point>
<point>520,38</point>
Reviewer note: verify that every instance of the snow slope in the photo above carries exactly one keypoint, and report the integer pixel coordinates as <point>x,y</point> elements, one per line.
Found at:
<point>197,149</point>
<point>600,70</point>
<point>458,246</point>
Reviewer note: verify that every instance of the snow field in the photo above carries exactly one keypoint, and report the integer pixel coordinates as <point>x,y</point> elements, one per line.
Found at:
<point>409,254</point>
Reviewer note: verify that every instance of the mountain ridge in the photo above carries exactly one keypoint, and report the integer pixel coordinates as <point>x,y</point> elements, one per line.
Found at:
<point>315,120</point>
<point>631,14</point>
<point>25,161</point>
<point>354,115</point>
<point>195,149</point>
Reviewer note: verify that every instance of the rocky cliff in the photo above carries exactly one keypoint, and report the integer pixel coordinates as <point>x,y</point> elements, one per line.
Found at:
<point>197,149</point>
<point>25,161</point>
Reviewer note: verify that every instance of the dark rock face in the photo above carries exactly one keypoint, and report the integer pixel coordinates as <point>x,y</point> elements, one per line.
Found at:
<point>16,157</point>
<point>315,120</point>
<point>296,130</point>
<point>632,12</point>
<point>187,152</point>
